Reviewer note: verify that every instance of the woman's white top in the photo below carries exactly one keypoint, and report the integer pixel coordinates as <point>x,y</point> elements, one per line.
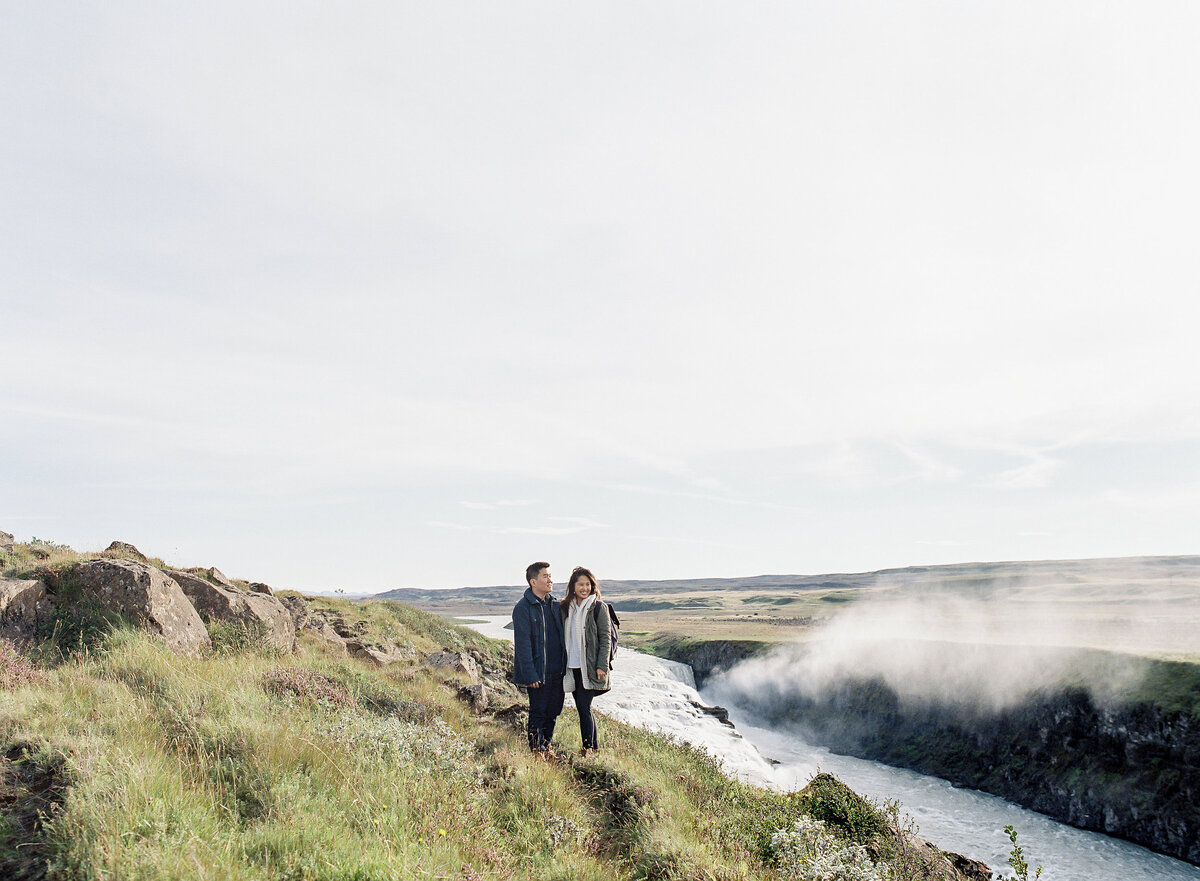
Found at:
<point>576,617</point>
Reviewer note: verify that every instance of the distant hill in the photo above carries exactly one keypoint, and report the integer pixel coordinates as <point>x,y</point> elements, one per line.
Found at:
<point>974,577</point>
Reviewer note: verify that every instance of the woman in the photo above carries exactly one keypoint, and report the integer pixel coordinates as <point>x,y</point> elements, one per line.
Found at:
<point>586,624</point>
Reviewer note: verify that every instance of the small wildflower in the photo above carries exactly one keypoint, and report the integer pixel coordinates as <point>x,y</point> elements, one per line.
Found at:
<point>442,832</point>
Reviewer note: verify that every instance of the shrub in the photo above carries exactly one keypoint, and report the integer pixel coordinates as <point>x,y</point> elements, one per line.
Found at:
<point>810,852</point>
<point>307,684</point>
<point>828,799</point>
<point>16,670</point>
<point>434,747</point>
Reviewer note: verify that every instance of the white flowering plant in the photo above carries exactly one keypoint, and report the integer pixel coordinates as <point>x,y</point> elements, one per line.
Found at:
<point>432,745</point>
<point>810,852</point>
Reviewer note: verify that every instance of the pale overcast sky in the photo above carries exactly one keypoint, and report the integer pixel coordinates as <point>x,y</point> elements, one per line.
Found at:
<point>384,295</point>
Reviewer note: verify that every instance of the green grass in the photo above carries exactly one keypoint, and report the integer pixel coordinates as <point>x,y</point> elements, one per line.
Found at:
<point>251,765</point>
<point>1173,686</point>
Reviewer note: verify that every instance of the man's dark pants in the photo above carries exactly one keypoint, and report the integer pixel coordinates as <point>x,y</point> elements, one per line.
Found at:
<point>545,703</point>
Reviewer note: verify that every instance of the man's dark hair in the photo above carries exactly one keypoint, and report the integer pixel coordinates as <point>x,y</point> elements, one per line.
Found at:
<point>532,570</point>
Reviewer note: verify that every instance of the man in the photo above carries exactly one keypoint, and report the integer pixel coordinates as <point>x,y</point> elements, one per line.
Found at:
<point>540,654</point>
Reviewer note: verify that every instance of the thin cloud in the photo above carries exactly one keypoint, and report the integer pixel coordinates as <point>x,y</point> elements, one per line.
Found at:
<point>502,503</point>
<point>929,468</point>
<point>642,489</point>
<point>683,539</point>
<point>573,525</point>
<point>1034,474</point>
<point>580,521</point>
<point>540,530</point>
<point>1170,498</point>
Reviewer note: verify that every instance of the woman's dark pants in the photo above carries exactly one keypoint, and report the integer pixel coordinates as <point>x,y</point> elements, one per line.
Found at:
<point>545,703</point>
<point>583,703</point>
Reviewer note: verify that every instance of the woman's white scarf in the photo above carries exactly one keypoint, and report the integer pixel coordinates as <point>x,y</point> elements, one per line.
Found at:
<point>576,617</point>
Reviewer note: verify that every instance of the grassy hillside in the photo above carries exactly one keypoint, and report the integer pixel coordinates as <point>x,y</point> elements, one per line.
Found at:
<point>123,760</point>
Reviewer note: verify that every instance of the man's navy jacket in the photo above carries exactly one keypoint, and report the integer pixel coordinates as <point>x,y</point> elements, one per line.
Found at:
<point>538,645</point>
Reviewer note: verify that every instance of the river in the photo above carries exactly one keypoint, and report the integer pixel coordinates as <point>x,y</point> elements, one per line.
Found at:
<point>660,695</point>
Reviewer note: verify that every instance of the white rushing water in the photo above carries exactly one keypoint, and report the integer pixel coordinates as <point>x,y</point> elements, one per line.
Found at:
<point>661,696</point>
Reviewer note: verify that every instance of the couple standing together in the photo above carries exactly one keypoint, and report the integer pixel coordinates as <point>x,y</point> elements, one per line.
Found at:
<point>559,647</point>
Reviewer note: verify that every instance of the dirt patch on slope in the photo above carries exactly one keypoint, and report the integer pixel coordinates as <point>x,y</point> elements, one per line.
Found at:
<point>32,790</point>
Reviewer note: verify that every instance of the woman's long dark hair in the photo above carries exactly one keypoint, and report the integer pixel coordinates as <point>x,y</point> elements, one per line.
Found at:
<point>577,573</point>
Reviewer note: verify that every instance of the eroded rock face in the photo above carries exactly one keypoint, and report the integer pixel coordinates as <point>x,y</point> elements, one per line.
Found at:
<point>217,602</point>
<point>6,542</point>
<point>24,607</point>
<point>259,587</point>
<point>126,550</point>
<point>298,608</point>
<point>147,596</point>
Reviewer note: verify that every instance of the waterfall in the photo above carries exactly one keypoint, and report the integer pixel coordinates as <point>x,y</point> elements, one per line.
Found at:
<point>660,695</point>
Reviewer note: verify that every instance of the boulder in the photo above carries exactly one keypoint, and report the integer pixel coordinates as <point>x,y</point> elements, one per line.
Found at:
<point>259,587</point>
<point>475,695</point>
<point>125,549</point>
<point>7,542</point>
<point>379,655</point>
<point>217,603</point>
<point>460,662</point>
<point>24,607</point>
<point>501,691</point>
<point>150,598</point>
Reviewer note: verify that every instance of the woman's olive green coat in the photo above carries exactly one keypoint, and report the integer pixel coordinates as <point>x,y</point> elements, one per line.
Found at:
<point>597,641</point>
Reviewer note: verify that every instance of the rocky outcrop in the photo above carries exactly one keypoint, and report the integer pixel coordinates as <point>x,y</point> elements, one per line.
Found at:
<point>146,596</point>
<point>259,587</point>
<point>25,608</point>
<point>305,621</point>
<point>719,713</point>
<point>126,551</point>
<point>7,542</point>
<point>216,602</point>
